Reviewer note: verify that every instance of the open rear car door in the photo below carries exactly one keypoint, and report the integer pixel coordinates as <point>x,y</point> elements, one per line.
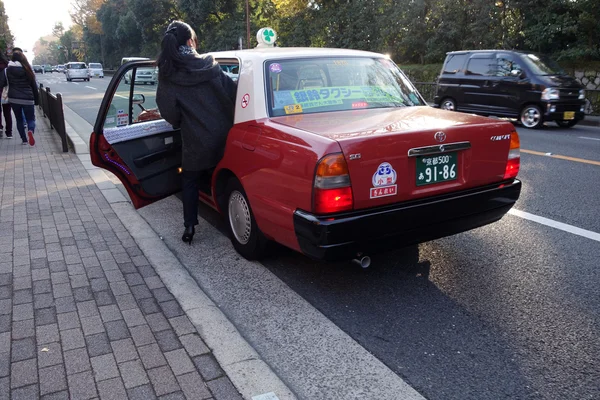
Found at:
<point>132,141</point>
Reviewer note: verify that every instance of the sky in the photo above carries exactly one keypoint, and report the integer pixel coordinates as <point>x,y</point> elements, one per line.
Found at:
<point>31,19</point>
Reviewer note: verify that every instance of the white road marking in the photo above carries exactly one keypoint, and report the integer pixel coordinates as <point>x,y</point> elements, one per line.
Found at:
<point>75,83</point>
<point>589,138</point>
<point>123,97</point>
<point>555,224</point>
<point>91,87</point>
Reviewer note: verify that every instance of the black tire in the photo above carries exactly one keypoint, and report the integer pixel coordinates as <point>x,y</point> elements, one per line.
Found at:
<point>531,117</point>
<point>246,237</point>
<point>448,104</point>
<point>566,123</point>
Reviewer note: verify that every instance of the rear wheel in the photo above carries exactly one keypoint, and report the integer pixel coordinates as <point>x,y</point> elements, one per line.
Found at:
<point>244,233</point>
<point>531,117</point>
<point>566,123</point>
<point>448,104</point>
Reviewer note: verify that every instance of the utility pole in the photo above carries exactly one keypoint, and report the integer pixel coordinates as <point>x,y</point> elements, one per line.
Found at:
<point>247,24</point>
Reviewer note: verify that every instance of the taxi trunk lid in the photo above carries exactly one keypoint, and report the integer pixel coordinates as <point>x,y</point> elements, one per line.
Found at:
<point>394,155</point>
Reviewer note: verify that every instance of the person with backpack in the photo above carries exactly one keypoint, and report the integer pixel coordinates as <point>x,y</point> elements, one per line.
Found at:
<point>22,94</point>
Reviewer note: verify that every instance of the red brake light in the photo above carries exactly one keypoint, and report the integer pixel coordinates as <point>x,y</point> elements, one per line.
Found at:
<point>332,200</point>
<point>332,191</point>
<point>513,162</point>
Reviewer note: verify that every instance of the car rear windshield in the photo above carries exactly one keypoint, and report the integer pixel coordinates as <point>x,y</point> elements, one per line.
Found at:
<point>314,85</point>
<point>96,66</point>
<point>77,66</point>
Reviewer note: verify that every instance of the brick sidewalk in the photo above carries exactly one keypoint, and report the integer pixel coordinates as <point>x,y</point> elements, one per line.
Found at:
<point>82,312</point>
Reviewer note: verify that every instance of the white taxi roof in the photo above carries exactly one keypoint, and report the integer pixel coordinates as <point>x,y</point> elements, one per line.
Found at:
<point>268,53</point>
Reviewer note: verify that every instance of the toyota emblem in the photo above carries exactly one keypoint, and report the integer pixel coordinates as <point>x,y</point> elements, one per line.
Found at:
<point>440,136</point>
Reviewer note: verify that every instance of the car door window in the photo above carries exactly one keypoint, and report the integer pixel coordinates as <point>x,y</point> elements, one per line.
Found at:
<point>132,103</point>
<point>481,65</point>
<point>505,64</point>
<point>454,63</point>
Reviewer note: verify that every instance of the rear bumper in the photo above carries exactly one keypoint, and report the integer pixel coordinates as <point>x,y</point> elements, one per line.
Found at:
<point>385,228</point>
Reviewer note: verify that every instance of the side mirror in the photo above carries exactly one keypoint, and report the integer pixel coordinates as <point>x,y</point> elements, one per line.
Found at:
<point>138,99</point>
<point>517,73</point>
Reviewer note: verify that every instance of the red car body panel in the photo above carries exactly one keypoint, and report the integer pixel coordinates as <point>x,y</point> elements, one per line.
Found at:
<point>276,166</point>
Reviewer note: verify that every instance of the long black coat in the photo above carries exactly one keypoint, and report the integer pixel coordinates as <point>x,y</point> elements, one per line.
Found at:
<point>200,100</point>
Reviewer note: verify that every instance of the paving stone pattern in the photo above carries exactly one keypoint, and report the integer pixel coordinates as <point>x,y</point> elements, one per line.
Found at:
<point>83,315</point>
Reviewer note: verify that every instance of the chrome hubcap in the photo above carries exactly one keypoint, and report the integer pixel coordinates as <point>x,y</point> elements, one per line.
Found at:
<point>448,105</point>
<point>239,217</point>
<point>530,117</point>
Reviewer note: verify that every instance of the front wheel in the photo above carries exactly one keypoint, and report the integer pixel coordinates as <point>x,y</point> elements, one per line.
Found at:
<point>448,104</point>
<point>531,117</point>
<point>246,237</point>
<point>567,123</point>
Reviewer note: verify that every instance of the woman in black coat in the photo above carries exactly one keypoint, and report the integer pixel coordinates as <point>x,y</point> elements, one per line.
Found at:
<point>22,93</point>
<point>195,95</point>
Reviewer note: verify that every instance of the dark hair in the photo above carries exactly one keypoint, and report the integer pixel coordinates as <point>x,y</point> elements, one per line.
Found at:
<point>20,57</point>
<point>169,59</point>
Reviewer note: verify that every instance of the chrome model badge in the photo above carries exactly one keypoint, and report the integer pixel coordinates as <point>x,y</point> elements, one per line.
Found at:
<point>440,136</point>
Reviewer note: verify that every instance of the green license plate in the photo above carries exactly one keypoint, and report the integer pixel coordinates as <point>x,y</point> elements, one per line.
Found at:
<point>436,168</point>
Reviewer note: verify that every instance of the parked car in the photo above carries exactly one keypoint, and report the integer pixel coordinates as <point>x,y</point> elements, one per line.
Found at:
<point>76,70</point>
<point>60,68</point>
<point>47,68</point>
<point>95,69</point>
<point>333,153</point>
<point>513,84</point>
<point>142,75</point>
<point>37,69</point>
<point>232,71</point>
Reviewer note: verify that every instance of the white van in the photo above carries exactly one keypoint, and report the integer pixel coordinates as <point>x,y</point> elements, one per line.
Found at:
<point>142,75</point>
<point>96,70</point>
<point>76,70</point>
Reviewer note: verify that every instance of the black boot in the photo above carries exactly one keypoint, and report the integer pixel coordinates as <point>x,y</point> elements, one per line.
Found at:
<point>188,234</point>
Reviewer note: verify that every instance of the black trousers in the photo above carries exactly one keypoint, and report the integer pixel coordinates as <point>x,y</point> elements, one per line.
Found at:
<point>191,181</point>
<point>7,110</point>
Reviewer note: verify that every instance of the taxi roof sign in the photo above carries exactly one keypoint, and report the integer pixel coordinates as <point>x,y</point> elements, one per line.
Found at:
<point>266,37</point>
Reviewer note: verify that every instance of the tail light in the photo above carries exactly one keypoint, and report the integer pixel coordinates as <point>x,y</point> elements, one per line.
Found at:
<point>514,157</point>
<point>332,191</point>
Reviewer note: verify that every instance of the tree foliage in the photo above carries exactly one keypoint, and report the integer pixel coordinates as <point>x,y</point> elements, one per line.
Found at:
<point>411,31</point>
<point>6,37</point>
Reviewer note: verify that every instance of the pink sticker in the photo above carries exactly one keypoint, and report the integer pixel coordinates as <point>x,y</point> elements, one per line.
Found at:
<point>275,68</point>
<point>245,100</point>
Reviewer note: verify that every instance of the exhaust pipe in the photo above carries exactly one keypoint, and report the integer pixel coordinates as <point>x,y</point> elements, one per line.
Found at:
<point>364,261</point>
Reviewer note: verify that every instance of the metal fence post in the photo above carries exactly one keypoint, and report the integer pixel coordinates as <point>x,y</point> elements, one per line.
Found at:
<point>61,128</point>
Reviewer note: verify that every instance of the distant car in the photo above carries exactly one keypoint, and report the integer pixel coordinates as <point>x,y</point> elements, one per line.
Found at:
<point>512,84</point>
<point>38,68</point>
<point>142,75</point>
<point>333,153</point>
<point>48,68</point>
<point>77,70</point>
<point>60,68</point>
<point>231,70</point>
<point>96,70</point>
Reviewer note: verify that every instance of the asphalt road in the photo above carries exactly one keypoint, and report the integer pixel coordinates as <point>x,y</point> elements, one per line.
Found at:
<point>509,310</point>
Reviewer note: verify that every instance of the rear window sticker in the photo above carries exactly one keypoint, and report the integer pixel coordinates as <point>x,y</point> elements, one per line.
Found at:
<point>384,181</point>
<point>275,68</point>
<point>293,109</point>
<point>122,118</point>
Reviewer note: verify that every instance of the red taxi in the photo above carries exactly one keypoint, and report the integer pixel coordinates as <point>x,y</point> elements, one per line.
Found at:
<point>333,153</point>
